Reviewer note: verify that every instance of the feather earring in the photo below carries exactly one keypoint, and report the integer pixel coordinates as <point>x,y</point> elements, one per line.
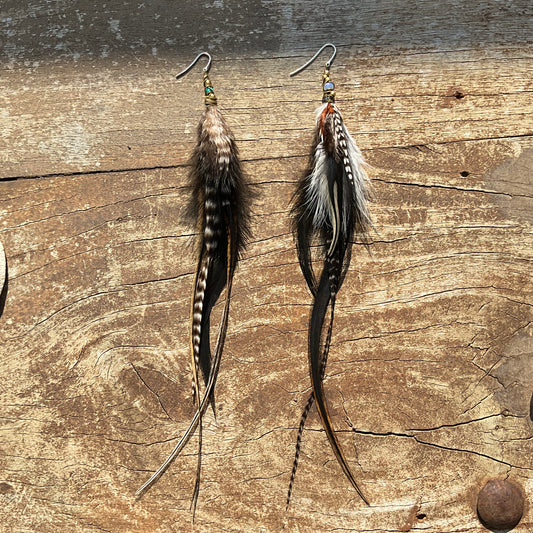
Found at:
<point>220,209</point>
<point>329,208</point>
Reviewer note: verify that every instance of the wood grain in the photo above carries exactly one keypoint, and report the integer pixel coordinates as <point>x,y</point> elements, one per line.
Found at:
<point>143,118</point>
<point>430,371</point>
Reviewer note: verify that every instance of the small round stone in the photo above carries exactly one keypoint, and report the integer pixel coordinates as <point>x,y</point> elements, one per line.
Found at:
<point>500,504</point>
<point>328,86</point>
<point>209,90</point>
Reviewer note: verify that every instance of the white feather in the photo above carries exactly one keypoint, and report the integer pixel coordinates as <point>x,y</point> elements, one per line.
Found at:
<point>318,200</point>
<point>354,165</point>
<point>318,197</point>
<point>361,183</point>
<point>317,190</point>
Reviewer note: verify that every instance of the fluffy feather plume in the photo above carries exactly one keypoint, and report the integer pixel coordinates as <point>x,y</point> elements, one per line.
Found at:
<point>220,209</point>
<point>329,207</point>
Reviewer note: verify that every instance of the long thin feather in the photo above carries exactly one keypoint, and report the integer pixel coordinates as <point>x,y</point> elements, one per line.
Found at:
<point>203,404</point>
<point>307,408</point>
<point>322,301</point>
<point>329,206</point>
<point>220,207</point>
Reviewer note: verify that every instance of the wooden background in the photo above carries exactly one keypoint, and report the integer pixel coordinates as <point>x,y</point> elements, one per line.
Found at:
<point>431,370</point>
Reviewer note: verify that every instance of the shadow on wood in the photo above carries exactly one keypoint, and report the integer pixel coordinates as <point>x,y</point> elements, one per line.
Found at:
<point>4,281</point>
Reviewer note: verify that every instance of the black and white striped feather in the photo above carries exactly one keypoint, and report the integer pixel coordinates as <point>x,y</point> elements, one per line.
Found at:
<point>220,206</point>
<point>329,208</point>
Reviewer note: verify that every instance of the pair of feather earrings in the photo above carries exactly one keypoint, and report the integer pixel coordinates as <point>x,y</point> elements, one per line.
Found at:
<point>329,207</point>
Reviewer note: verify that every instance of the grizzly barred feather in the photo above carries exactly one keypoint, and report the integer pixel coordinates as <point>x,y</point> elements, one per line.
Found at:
<point>330,206</point>
<point>220,207</point>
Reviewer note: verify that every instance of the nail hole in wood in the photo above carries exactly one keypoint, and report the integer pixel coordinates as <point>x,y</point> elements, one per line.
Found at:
<point>5,488</point>
<point>421,516</point>
<point>465,173</point>
<point>458,95</point>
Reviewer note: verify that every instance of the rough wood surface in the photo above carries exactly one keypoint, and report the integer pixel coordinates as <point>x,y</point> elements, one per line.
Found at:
<point>431,364</point>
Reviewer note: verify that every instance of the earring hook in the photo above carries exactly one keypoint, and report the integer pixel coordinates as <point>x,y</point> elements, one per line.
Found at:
<point>195,60</point>
<point>328,64</point>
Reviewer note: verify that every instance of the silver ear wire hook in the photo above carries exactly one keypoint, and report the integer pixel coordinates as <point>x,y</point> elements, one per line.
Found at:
<point>206,68</point>
<point>328,64</point>
<point>209,93</point>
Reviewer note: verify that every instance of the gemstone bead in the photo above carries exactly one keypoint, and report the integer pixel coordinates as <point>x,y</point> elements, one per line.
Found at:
<point>328,86</point>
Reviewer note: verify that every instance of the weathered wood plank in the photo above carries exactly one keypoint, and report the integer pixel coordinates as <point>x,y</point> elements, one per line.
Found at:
<point>430,361</point>
<point>137,116</point>
<point>39,32</point>
<point>431,364</point>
